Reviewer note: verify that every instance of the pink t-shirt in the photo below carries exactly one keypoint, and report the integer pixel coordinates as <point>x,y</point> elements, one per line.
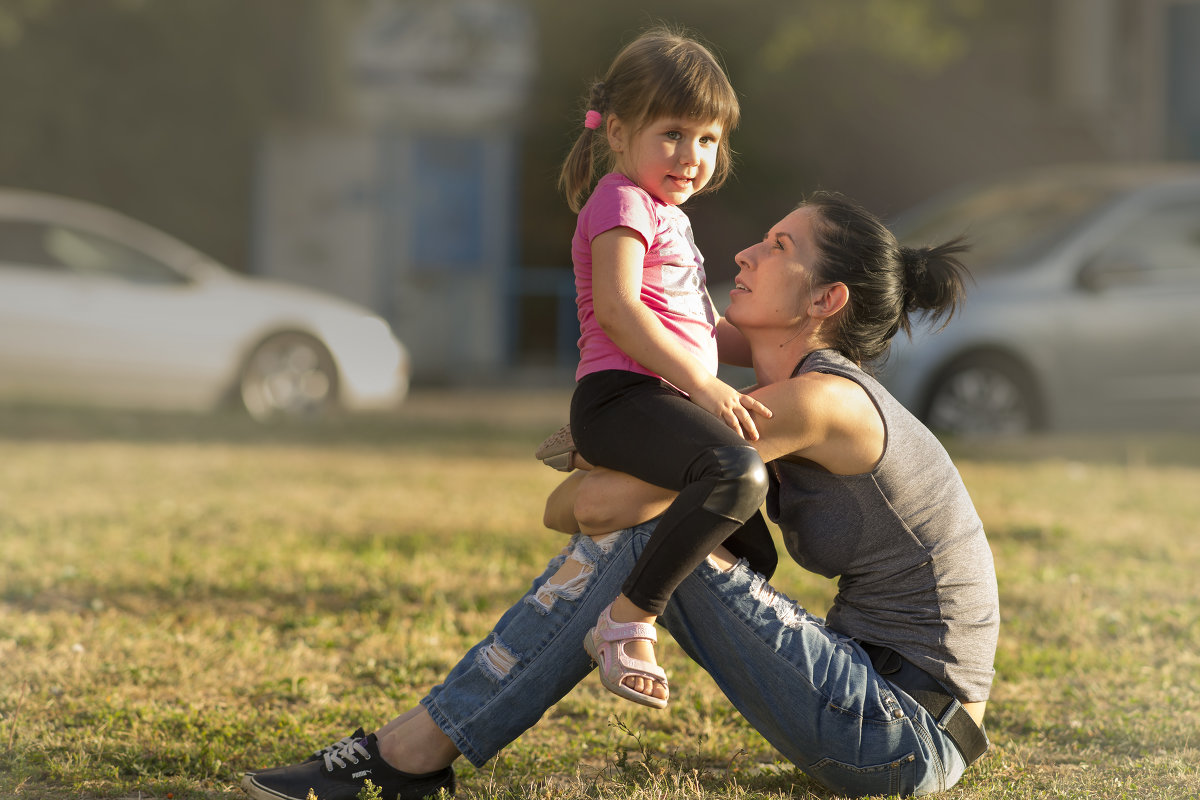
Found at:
<point>673,284</point>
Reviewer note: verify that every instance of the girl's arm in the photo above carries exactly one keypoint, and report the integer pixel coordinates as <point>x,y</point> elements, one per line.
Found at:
<point>617,258</point>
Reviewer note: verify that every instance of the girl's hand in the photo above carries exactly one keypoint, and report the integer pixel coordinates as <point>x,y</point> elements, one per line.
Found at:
<point>731,407</point>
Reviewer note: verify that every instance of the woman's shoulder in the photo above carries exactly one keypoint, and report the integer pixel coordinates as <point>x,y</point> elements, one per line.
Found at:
<point>828,361</point>
<point>811,385</point>
<point>825,418</point>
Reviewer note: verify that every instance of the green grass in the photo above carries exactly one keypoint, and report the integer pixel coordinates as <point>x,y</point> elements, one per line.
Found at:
<point>183,598</point>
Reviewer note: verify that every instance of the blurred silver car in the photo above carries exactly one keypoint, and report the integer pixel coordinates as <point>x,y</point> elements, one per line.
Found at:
<point>98,309</point>
<point>1085,312</point>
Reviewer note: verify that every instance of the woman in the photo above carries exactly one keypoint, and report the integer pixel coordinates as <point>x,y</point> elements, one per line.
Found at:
<point>884,696</point>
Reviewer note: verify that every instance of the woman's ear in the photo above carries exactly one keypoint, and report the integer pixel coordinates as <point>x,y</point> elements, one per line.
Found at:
<point>829,300</point>
<point>616,132</point>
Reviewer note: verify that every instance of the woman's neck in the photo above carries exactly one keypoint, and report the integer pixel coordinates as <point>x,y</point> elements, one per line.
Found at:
<point>774,361</point>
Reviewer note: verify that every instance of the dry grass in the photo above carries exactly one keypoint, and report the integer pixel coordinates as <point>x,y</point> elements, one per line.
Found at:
<point>182,599</point>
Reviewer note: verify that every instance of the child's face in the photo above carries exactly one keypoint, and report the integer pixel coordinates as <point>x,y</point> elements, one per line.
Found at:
<point>670,158</point>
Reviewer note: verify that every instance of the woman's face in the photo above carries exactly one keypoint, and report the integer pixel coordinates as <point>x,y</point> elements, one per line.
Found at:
<point>775,281</point>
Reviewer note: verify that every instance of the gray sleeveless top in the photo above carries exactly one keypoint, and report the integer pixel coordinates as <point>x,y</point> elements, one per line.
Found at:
<point>915,571</point>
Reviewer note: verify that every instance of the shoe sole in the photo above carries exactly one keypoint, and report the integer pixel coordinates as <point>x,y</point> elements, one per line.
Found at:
<point>252,788</point>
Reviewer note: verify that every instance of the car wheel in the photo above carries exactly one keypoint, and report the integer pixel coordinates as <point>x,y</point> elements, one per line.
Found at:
<point>983,393</point>
<point>288,376</point>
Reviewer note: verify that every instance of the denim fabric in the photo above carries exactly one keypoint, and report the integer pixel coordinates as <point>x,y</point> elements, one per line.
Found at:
<point>810,692</point>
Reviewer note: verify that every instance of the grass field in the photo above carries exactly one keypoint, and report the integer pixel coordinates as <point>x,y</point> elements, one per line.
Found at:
<point>182,599</point>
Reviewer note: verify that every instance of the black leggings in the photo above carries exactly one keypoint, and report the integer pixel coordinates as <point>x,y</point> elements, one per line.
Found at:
<point>643,426</point>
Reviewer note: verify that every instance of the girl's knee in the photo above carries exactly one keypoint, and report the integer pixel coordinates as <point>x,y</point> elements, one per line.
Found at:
<point>741,482</point>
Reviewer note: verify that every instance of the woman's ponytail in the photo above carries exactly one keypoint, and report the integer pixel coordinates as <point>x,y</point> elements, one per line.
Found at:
<point>934,281</point>
<point>888,283</point>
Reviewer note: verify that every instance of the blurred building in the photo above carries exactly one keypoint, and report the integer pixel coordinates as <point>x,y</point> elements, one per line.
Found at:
<point>1129,70</point>
<point>407,203</point>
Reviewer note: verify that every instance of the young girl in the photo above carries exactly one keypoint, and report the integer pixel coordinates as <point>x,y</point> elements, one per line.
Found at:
<point>647,401</point>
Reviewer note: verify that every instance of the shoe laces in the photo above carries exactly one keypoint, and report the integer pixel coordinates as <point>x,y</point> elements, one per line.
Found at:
<point>338,745</point>
<point>339,755</point>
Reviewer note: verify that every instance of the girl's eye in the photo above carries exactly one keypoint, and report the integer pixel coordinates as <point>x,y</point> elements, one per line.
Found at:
<point>674,135</point>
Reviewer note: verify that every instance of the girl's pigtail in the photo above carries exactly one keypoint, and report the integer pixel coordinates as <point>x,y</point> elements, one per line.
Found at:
<point>575,179</point>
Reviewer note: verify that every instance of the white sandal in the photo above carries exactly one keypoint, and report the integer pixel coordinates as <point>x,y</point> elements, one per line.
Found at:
<point>605,643</point>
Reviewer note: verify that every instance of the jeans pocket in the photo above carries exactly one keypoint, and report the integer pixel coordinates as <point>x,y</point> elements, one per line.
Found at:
<point>895,777</point>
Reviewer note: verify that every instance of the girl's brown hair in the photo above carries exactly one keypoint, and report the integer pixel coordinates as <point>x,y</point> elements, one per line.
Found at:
<point>662,73</point>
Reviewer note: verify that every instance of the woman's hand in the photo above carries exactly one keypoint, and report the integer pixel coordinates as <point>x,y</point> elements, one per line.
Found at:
<point>731,407</point>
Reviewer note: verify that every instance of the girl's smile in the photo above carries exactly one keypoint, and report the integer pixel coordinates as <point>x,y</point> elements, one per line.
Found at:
<point>670,158</point>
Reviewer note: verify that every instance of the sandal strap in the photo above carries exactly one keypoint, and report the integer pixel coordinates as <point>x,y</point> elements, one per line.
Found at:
<point>640,669</point>
<point>624,664</point>
<point>618,631</point>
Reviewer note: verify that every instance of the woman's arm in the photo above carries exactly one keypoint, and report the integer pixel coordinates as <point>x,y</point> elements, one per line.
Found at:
<point>822,418</point>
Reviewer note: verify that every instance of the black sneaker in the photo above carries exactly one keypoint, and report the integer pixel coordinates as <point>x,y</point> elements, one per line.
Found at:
<point>341,775</point>
<point>317,756</point>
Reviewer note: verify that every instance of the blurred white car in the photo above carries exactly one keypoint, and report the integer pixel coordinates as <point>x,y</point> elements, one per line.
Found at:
<point>100,310</point>
<point>1085,311</point>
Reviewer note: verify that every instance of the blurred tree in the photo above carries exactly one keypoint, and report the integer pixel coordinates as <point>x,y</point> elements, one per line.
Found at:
<point>15,15</point>
<point>923,35</point>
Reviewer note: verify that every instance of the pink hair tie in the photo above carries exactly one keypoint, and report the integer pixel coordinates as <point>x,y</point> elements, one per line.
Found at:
<point>592,120</point>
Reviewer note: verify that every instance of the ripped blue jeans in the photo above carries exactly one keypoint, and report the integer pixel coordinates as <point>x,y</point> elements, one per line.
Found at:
<point>809,691</point>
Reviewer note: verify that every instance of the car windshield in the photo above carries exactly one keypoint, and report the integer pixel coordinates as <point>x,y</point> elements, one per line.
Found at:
<point>1006,224</point>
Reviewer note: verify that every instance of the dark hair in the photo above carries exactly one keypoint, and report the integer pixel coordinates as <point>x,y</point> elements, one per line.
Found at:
<point>888,282</point>
<point>662,73</point>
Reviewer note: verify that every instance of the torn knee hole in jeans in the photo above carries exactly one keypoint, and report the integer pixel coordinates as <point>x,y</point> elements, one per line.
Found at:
<point>568,583</point>
<point>762,591</point>
<point>787,611</point>
<point>572,576</point>
<point>497,659</point>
